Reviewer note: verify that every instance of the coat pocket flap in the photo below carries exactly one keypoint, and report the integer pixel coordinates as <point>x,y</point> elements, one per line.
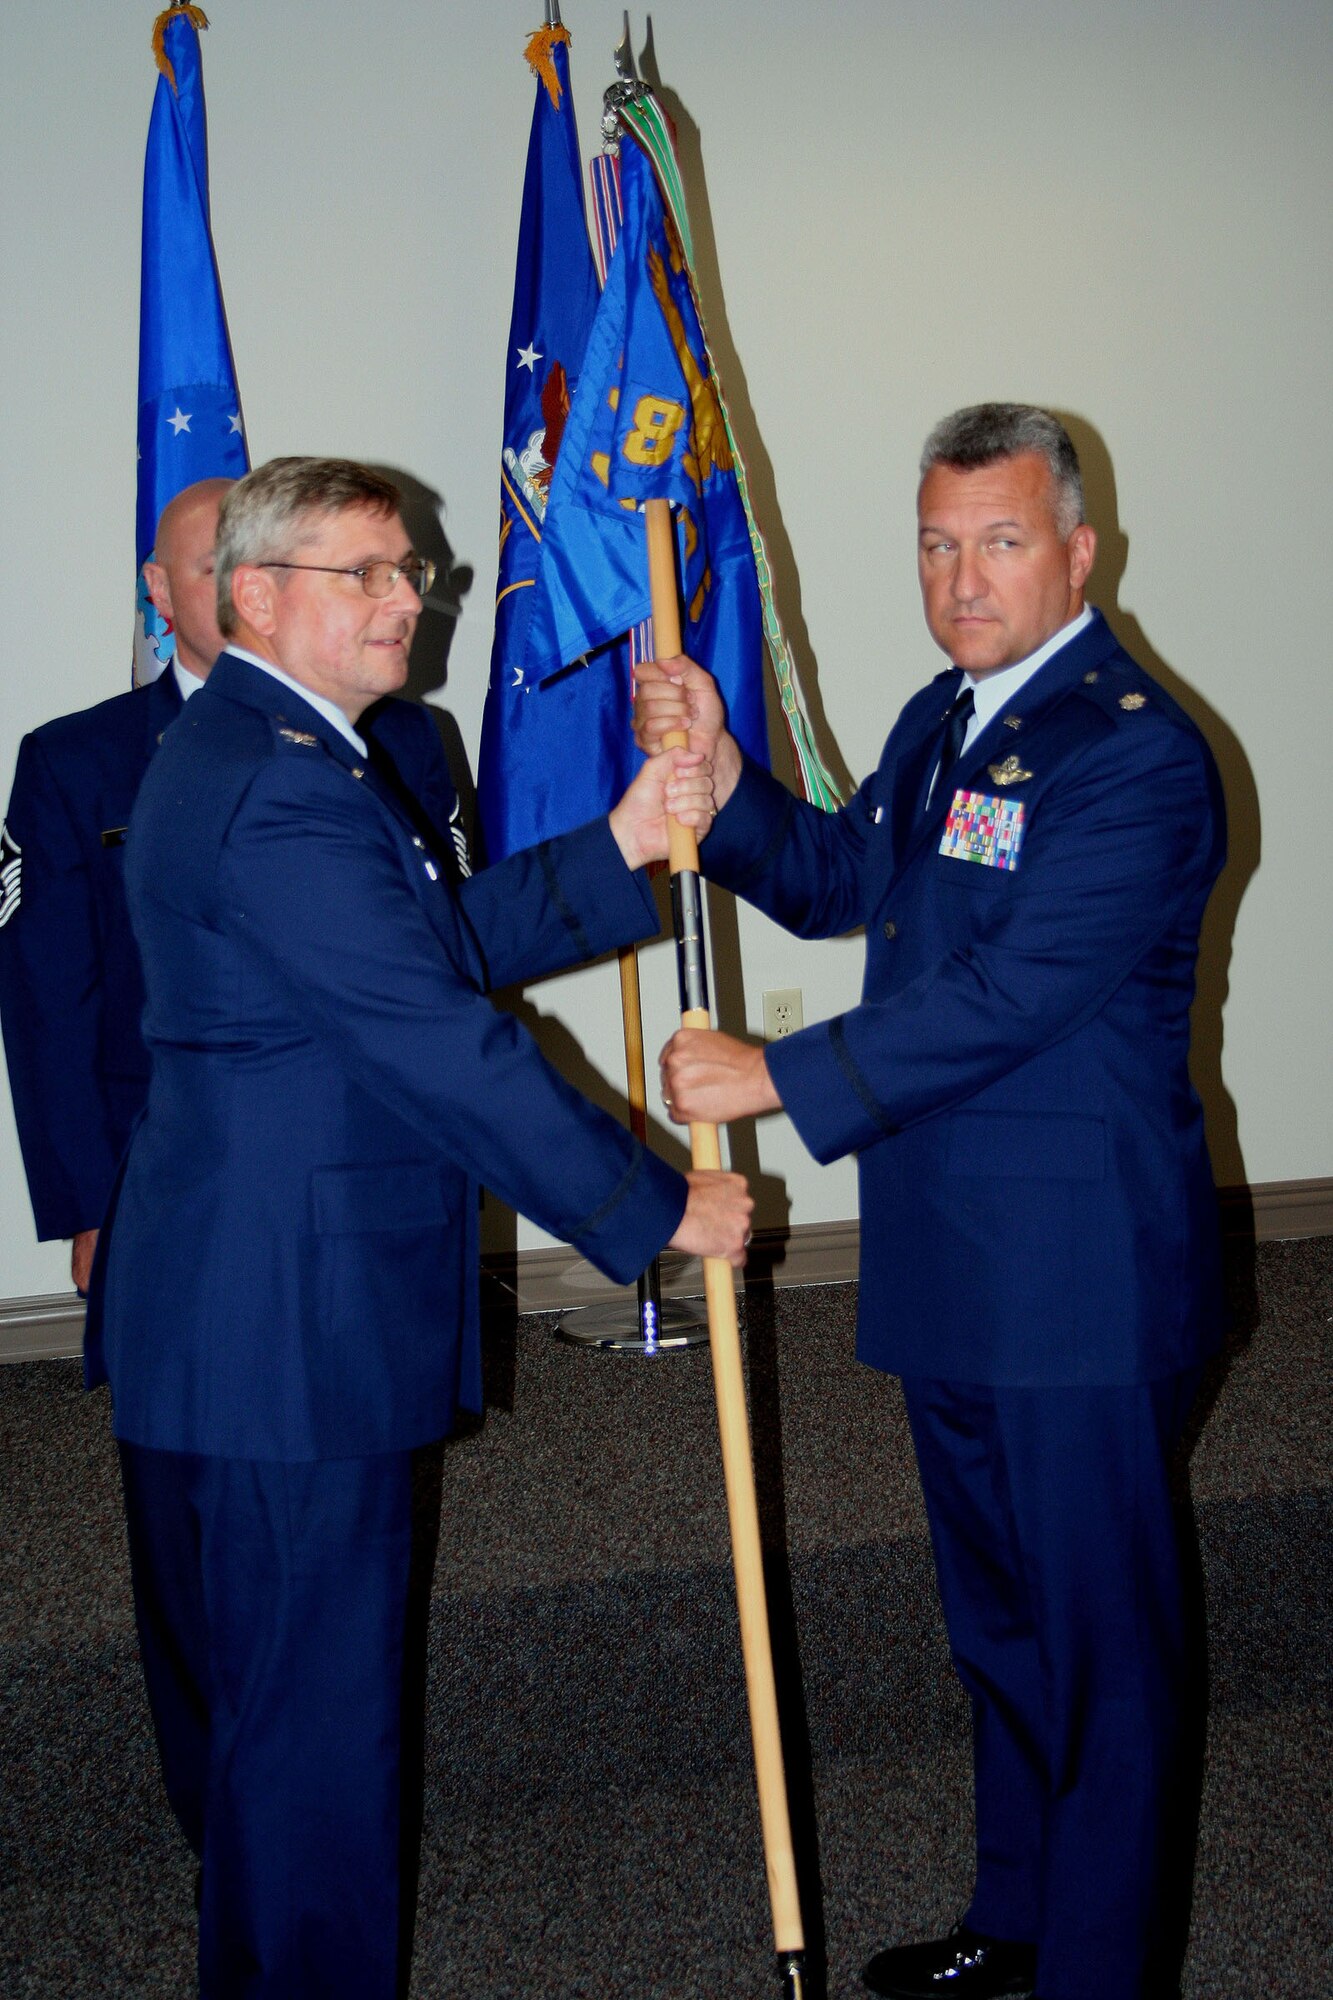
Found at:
<point>395,1195</point>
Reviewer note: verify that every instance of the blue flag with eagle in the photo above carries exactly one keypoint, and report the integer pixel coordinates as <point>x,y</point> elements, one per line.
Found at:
<point>555,756</point>
<point>189,412</point>
<point>646,424</point>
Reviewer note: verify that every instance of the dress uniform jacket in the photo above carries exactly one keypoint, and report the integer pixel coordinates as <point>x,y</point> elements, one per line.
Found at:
<point>71,986</point>
<point>1038,1240</point>
<point>71,991</point>
<point>328,1086</point>
<point>1036,1201</point>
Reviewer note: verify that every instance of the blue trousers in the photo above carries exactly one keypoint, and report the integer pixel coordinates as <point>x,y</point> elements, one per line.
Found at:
<point>1059,1573</point>
<point>271,1603</point>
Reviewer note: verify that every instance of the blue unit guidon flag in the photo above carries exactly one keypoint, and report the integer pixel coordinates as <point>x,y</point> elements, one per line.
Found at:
<point>556,755</point>
<point>646,424</point>
<point>190,423</point>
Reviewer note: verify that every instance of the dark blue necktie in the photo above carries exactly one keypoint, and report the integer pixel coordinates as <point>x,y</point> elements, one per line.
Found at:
<point>955,729</point>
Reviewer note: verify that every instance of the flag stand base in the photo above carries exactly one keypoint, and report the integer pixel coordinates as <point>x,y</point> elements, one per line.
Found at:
<point>614,1326</point>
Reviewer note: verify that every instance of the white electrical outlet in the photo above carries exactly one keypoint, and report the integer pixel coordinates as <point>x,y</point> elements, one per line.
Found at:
<point>783,1013</point>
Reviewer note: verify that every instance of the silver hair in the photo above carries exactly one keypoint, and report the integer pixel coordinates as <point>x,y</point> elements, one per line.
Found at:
<point>268,514</point>
<point>986,431</point>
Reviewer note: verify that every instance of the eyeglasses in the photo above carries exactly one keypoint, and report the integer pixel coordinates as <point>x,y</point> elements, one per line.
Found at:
<point>378,579</point>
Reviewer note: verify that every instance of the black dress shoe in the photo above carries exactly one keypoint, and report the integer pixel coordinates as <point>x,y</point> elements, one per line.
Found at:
<point>962,1966</point>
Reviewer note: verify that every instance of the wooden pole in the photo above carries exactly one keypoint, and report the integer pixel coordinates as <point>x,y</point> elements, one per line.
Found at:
<point>724,1342</point>
<point>636,1084</point>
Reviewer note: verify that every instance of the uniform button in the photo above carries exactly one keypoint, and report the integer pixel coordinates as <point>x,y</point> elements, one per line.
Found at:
<point>890,929</point>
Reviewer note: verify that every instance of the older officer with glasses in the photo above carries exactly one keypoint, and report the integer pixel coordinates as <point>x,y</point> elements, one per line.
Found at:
<point>329,1084</point>
<point>71,989</point>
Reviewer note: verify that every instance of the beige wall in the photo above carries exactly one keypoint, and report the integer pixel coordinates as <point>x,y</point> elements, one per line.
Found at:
<point>1120,210</point>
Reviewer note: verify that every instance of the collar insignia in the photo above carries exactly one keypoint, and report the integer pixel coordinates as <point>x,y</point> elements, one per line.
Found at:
<point>1010,772</point>
<point>299,736</point>
<point>1133,700</point>
<point>1013,722</point>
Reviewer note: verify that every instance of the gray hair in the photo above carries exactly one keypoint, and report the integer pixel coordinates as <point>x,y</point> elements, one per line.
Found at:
<point>267,514</point>
<point>986,431</point>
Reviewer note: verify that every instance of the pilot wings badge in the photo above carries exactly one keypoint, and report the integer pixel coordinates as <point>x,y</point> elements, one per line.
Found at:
<point>1010,772</point>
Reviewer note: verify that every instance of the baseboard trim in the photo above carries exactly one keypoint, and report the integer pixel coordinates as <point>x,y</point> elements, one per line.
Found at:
<point>50,1328</point>
<point>45,1328</point>
<point>1274,1211</point>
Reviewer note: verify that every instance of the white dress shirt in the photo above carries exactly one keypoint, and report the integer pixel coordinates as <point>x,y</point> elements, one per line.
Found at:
<point>992,692</point>
<point>186,682</point>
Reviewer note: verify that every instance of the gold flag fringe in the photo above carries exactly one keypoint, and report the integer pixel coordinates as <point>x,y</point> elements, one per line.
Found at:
<point>197,19</point>
<point>538,54</point>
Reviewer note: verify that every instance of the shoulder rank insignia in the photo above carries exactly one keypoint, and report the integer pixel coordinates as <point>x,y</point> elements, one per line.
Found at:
<point>986,830</point>
<point>1010,772</point>
<point>1133,700</point>
<point>299,736</point>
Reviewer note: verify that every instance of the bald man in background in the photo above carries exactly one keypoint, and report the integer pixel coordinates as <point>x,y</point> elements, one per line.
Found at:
<point>71,986</point>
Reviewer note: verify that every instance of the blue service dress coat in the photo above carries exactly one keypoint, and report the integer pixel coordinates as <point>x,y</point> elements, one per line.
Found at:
<point>1039,1256</point>
<point>71,985</point>
<point>71,989</point>
<point>284,1297</point>
<point>1037,1205</point>
<point>291,1266</point>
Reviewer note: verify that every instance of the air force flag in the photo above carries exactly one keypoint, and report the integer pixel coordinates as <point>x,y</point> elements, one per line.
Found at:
<point>190,424</point>
<point>555,757</point>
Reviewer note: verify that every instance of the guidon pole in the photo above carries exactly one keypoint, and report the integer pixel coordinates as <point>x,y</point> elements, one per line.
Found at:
<point>724,1342</point>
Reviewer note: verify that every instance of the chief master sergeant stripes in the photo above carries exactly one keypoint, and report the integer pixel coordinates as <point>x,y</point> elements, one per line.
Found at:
<point>71,988</point>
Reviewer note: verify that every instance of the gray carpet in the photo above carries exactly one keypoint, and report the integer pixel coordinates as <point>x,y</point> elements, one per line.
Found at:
<point>589,1817</point>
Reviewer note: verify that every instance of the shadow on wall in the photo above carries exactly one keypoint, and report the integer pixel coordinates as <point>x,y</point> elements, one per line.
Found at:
<point>1242,798</point>
<point>428,668</point>
<point>758,465</point>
